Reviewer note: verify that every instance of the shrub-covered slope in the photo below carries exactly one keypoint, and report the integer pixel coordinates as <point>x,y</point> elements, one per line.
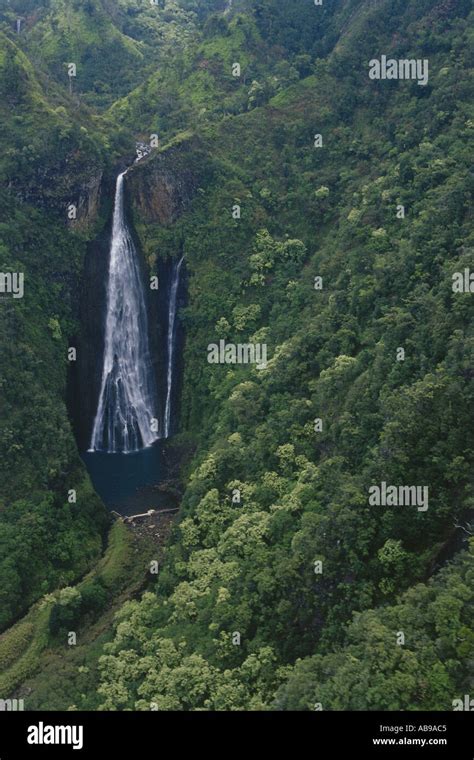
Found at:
<point>381,355</point>
<point>283,588</point>
<point>47,159</point>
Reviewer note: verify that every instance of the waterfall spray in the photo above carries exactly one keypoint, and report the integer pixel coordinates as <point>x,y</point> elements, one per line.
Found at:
<point>127,401</point>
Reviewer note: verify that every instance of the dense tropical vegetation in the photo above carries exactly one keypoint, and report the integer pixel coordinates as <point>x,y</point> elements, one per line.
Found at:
<point>282,586</point>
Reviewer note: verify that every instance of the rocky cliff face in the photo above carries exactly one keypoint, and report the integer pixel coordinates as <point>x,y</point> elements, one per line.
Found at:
<point>94,201</point>
<point>85,374</point>
<point>162,185</point>
<point>54,187</point>
<point>88,202</point>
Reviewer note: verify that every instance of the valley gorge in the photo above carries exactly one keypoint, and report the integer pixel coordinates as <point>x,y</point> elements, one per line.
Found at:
<point>185,535</point>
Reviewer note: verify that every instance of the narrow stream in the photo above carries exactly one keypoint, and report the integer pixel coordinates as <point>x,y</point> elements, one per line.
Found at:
<point>170,343</point>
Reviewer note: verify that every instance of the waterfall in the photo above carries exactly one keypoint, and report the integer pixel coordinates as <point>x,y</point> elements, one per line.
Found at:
<point>126,411</point>
<point>18,25</point>
<point>170,346</point>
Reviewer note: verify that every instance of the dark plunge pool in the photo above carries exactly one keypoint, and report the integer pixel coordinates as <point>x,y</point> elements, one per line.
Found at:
<point>127,483</point>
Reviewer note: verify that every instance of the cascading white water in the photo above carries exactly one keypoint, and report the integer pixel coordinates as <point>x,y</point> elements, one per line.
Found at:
<point>126,413</point>
<point>170,346</point>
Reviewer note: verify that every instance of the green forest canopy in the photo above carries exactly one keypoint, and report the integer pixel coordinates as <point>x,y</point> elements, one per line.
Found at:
<point>294,595</point>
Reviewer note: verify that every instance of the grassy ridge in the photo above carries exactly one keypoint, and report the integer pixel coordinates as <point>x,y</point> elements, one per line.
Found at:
<point>30,645</point>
